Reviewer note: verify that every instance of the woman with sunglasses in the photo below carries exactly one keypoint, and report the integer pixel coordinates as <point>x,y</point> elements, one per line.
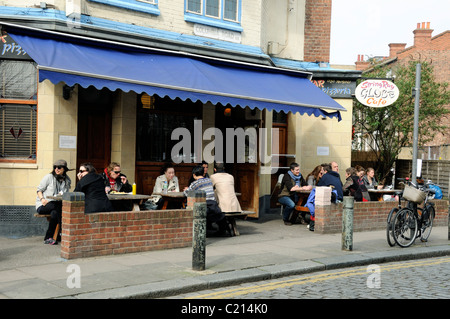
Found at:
<point>93,187</point>
<point>114,180</point>
<point>55,183</point>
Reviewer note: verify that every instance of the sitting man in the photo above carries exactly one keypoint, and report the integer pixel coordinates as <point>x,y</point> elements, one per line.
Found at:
<point>332,178</point>
<point>223,184</point>
<point>213,212</point>
<point>292,182</point>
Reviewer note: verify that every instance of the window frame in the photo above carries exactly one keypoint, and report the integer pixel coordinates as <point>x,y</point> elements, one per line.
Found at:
<point>135,5</point>
<point>220,21</point>
<point>31,103</point>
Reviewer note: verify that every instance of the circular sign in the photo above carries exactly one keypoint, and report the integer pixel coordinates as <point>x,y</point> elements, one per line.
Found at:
<point>376,93</point>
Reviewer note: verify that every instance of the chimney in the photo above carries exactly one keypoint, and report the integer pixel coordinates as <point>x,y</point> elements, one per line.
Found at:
<point>422,35</point>
<point>361,64</point>
<point>395,48</point>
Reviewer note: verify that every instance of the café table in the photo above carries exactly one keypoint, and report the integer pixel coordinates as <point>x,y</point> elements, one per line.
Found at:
<point>135,200</point>
<point>377,194</point>
<point>300,205</point>
<point>172,197</point>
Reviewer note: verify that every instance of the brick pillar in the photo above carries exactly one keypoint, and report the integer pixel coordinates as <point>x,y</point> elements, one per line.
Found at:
<point>72,216</point>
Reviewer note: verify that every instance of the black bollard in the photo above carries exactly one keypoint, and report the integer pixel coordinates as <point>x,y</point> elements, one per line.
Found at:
<point>199,230</point>
<point>347,223</point>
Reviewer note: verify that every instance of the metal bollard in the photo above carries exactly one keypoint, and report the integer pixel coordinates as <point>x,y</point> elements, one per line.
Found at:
<point>199,230</point>
<point>347,223</point>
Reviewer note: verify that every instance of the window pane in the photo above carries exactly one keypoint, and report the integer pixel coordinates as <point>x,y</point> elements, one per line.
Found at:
<point>230,11</point>
<point>18,80</point>
<point>156,123</point>
<point>194,6</point>
<point>17,131</point>
<point>212,8</point>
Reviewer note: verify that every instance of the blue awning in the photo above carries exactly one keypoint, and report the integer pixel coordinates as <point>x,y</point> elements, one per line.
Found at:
<point>84,61</point>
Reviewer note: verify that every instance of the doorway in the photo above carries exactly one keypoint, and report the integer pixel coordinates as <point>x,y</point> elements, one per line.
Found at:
<point>94,127</point>
<point>246,177</point>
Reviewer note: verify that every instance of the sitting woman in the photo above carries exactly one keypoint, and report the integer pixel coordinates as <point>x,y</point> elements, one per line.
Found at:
<point>369,179</point>
<point>93,187</point>
<point>313,178</point>
<point>57,182</point>
<point>354,186</point>
<point>166,182</point>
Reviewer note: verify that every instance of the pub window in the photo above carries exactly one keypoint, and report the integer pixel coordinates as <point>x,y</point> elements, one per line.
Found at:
<point>219,9</point>
<point>18,110</point>
<point>146,6</point>
<point>156,120</point>
<point>217,13</point>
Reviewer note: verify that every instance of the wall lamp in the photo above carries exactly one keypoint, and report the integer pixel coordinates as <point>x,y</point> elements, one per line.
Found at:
<point>67,91</point>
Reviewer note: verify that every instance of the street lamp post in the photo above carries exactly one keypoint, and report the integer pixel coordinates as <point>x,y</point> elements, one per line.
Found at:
<point>416,95</point>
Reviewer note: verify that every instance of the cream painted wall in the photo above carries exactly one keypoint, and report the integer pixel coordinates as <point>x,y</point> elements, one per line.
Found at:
<point>56,116</point>
<point>306,133</point>
<point>283,28</point>
<point>123,135</point>
<point>171,18</point>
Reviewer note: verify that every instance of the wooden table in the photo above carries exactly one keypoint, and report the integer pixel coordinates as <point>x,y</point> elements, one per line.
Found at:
<point>377,194</point>
<point>136,200</point>
<point>300,205</point>
<point>172,197</point>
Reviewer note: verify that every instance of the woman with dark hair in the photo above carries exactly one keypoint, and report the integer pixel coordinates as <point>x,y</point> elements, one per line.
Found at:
<point>166,182</point>
<point>55,183</point>
<point>93,187</point>
<point>314,177</point>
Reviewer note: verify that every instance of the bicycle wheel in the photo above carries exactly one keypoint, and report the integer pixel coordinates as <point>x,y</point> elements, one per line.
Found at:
<point>389,233</point>
<point>427,222</point>
<point>404,227</point>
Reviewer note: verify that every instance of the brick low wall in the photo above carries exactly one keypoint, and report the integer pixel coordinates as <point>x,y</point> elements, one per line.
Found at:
<point>367,216</point>
<point>99,234</point>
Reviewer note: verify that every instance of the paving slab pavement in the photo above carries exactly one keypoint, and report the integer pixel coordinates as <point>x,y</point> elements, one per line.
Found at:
<point>266,249</point>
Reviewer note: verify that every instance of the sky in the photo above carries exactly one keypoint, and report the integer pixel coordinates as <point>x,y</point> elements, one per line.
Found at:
<point>367,27</point>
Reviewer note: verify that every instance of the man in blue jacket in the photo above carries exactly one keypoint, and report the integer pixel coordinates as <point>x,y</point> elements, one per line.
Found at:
<point>332,178</point>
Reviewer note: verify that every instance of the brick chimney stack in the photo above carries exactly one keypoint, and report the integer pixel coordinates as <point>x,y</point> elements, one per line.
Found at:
<point>317,30</point>
<point>395,48</point>
<point>361,64</point>
<point>422,35</point>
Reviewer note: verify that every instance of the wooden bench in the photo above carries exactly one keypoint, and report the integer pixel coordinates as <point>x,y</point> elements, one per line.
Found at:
<point>48,216</point>
<point>231,218</point>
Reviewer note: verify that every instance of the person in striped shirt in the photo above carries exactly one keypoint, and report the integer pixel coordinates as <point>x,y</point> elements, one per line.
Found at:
<point>213,212</point>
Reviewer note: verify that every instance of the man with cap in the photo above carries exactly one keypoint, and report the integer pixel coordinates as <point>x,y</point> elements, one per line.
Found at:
<point>55,183</point>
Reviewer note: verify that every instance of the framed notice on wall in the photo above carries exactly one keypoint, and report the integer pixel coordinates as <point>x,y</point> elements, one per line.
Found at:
<point>323,151</point>
<point>66,141</point>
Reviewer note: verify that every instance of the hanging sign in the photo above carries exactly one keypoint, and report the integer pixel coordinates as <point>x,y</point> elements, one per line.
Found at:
<point>376,93</point>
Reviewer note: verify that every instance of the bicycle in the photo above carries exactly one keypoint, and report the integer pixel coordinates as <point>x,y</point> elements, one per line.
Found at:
<point>393,212</point>
<point>412,222</point>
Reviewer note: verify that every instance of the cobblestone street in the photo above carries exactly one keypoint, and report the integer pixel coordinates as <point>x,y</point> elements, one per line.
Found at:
<point>427,278</point>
